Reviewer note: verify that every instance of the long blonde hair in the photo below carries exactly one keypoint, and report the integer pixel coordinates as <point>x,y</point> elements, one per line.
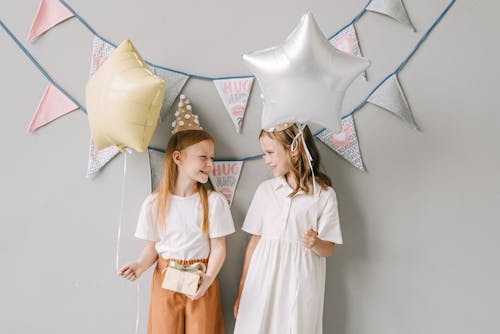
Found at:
<point>298,161</point>
<point>178,142</point>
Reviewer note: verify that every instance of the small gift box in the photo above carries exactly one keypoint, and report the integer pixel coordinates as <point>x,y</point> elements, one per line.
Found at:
<point>182,279</point>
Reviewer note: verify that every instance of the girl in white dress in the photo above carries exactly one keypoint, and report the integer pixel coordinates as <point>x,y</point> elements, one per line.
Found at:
<point>294,225</point>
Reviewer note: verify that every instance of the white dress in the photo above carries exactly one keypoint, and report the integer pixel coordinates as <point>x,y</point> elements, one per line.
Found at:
<point>285,283</point>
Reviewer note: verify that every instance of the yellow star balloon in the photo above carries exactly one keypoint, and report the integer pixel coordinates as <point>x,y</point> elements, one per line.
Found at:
<point>305,78</point>
<point>123,100</point>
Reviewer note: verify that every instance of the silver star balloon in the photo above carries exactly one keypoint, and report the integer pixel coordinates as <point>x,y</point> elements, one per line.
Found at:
<point>305,78</point>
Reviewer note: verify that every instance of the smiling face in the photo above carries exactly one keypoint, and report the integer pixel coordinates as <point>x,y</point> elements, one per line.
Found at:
<point>275,155</point>
<point>195,162</point>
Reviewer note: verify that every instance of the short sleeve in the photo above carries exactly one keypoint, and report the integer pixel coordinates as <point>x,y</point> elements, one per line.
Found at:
<point>146,224</point>
<point>254,219</point>
<point>220,220</point>
<point>329,223</point>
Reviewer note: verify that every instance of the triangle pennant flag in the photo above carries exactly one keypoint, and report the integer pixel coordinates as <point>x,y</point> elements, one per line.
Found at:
<point>156,162</point>
<point>98,159</point>
<point>50,13</point>
<point>174,82</point>
<point>101,50</point>
<point>391,97</point>
<point>234,94</point>
<point>53,104</point>
<point>345,143</point>
<point>391,8</point>
<point>225,176</point>
<point>347,41</point>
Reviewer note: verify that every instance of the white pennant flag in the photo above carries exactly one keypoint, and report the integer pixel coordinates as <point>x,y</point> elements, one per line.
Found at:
<point>174,82</point>
<point>347,41</point>
<point>156,162</point>
<point>98,159</point>
<point>391,8</point>
<point>391,97</point>
<point>101,50</point>
<point>234,94</point>
<point>225,176</point>
<point>345,143</point>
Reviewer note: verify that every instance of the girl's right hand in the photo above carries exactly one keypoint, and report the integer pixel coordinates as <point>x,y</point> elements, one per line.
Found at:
<point>236,306</point>
<point>130,271</point>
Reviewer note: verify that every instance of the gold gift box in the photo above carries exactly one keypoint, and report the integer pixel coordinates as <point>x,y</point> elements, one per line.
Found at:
<point>180,279</point>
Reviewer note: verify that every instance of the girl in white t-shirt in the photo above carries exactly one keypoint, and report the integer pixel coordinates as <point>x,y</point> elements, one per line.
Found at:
<point>184,224</point>
<point>294,225</point>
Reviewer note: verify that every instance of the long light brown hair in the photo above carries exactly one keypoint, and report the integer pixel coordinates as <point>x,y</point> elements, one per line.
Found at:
<point>298,161</point>
<point>178,142</point>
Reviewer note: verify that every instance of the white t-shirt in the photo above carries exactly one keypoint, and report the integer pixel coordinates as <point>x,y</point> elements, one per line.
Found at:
<point>183,239</point>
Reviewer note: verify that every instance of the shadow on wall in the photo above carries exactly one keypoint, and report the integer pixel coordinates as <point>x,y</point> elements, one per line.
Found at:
<point>351,253</point>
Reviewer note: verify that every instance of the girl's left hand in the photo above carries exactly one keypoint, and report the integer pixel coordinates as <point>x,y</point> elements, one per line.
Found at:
<point>206,281</point>
<point>309,238</point>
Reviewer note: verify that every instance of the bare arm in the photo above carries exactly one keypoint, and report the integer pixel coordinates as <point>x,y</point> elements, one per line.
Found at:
<point>311,241</point>
<point>215,262</point>
<point>252,243</point>
<point>134,270</point>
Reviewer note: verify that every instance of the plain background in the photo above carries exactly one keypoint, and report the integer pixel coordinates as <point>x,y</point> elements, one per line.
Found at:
<point>420,226</point>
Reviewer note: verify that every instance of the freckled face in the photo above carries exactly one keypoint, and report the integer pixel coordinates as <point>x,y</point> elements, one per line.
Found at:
<point>197,161</point>
<point>275,155</point>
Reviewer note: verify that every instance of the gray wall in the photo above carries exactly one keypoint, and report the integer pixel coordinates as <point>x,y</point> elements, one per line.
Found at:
<point>420,226</point>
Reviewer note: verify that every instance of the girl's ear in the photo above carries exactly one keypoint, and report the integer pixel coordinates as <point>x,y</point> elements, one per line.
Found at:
<point>177,157</point>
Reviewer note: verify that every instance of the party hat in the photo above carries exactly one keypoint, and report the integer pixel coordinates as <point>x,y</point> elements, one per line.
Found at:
<point>185,119</point>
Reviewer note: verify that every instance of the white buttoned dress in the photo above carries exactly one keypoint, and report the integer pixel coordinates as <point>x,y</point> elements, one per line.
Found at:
<point>285,283</point>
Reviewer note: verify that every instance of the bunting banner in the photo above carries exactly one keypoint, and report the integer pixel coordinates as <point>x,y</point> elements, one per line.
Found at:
<point>225,176</point>
<point>345,143</point>
<point>53,104</point>
<point>234,94</point>
<point>101,50</point>
<point>99,158</point>
<point>392,8</point>
<point>174,82</point>
<point>391,97</point>
<point>347,41</point>
<point>156,162</point>
<point>50,13</point>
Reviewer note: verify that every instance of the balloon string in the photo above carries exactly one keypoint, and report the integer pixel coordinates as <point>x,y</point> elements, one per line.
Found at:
<point>293,147</point>
<point>120,221</point>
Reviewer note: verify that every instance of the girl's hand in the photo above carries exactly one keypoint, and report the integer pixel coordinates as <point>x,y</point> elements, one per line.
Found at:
<point>130,271</point>
<point>310,238</point>
<point>236,306</point>
<point>206,281</point>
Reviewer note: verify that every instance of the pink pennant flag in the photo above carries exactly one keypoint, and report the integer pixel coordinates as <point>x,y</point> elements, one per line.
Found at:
<point>49,14</point>
<point>53,104</point>
<point>234,94</point>
<point>225,177</point>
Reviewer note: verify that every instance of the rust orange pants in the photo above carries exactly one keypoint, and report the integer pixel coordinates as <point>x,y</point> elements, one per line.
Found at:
<point>174,313</point>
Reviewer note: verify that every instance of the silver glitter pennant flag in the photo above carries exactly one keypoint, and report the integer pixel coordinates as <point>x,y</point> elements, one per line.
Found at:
<point>156,161</point>
<point>345,143</point>
<point>347,41</point>
<point>174,82</point>
<point>234,94</point>
<point>98,159</point>
<point>391,97</point>
<point>391,8</point>
<point>101,50</point>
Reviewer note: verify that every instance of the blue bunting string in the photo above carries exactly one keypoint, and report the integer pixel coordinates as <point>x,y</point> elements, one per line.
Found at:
<point>251,157</point>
